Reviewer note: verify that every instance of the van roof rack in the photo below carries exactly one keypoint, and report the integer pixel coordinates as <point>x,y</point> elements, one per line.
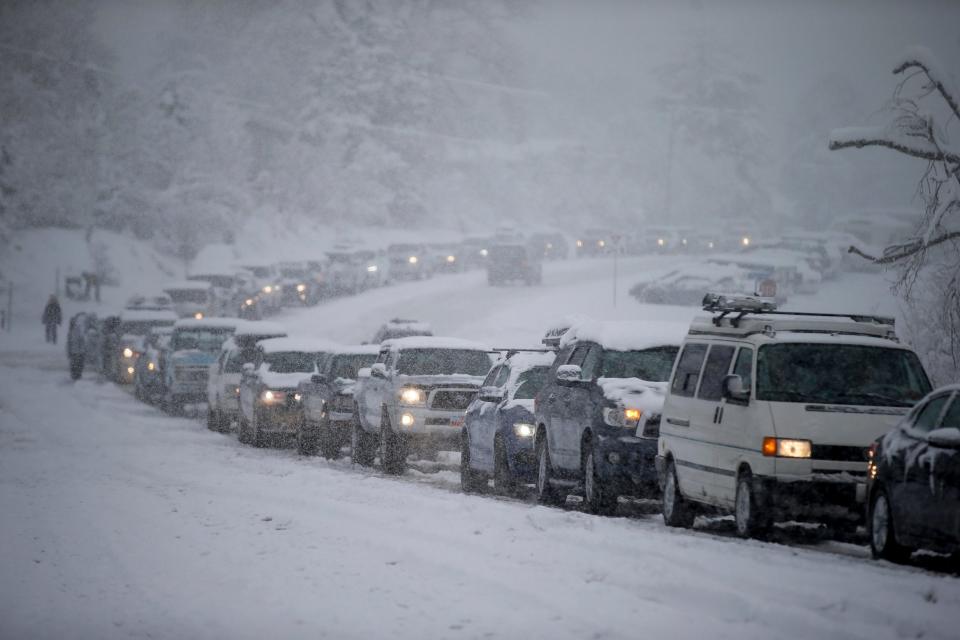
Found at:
<point>551,339</point>
<point>743,305</point>
<point>510,351</point>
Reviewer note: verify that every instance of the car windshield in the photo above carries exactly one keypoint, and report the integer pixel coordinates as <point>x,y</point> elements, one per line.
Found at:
<point>142,327</point>
<point>530,382</point>
<point>290,361</point>
<point>202,339</point>
<point>346,366</point>
<point>188,295</point>
<point>440,362</point>
<point>840,374</point>
<point>653,365</point>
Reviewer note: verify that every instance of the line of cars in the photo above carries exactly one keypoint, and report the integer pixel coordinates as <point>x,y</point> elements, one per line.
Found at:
<point>766,415</point>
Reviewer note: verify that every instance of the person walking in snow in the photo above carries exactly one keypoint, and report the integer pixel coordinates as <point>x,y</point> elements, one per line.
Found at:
<point>52,317</point>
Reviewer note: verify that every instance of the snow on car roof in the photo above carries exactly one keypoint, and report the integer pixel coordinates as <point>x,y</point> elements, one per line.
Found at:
<point>187,285</point>
<point>259,328</point>
<point>627,335</point>
<point>208,323</point>
<point>356,349</point>
<point>407,325</point>
<point>148,315</point>
<point>298,345</point>
<point>524,360</point>
<point>432,342</point>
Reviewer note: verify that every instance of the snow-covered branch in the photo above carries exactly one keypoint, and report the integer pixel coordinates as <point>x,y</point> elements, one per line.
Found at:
<point>916,146</point>
<point>901,252</point>
<point>923,59</point>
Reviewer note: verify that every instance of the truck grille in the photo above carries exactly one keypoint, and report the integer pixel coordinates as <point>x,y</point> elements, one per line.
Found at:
<point>452,399</point>
<point>838,453</point>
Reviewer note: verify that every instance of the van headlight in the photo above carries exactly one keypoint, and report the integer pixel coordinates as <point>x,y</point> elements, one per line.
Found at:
<point>787,448</point>
<point>412,396</point>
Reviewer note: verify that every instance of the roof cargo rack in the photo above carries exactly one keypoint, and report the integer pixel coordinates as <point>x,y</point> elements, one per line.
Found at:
<point>743,305</point>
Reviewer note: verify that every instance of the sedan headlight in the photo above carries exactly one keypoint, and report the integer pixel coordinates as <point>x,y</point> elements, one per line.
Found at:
<point>523,429</point>
<point>412,396</point>
<point>787,448</point>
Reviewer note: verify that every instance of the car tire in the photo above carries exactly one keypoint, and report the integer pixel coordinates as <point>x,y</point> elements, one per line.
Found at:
<point>393,456</point>
<point>306,439</point>
<point>880,527</point>
<point>471,481</point>
<point>363,447</point>
<point>328,444</point>
<point>504,481</point>
<point>749,518</point>
<point>547,494</point>
<point>676,511</point>
<point>598,498</point>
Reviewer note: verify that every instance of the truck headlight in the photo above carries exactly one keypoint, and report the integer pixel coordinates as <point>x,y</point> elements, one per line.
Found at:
<point>412,395</point>
<point>269,396</point>
<point>407,420</point>
<point>786,448</point>
<point>127,352</point>
<point>523,429</point>
<point>620,417</point>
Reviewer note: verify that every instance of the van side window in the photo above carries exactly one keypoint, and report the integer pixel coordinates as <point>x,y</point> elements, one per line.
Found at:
<point>718,364</point>
<point>744,367</point>
<point>502,377</point>
<point>688,370</point>
<point>488,381</point>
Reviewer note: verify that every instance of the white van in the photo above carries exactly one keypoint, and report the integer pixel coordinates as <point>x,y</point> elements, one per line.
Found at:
<point>769,414</point>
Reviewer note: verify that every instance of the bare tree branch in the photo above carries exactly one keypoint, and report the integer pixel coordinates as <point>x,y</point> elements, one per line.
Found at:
<point>935,79</point>
<point>904,251</point>
<point>926,154</point>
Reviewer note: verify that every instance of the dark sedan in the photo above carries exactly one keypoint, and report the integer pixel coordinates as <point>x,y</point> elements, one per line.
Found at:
<point>913,479</point>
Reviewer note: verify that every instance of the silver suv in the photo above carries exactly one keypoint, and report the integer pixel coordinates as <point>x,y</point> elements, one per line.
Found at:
<point>415,398</point>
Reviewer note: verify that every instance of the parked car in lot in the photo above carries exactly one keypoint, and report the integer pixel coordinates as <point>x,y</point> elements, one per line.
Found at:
<point>401,328</point>
<point>223,384</point>
<point>223,286</point>
<point>415,398</point>
<point>497,439</point>
<point>549,246</point>
<point>148,380</point>
<point>769,414</point>
<point>408,262</point>
<point>191,299</point>
<point>598,414</point>
<point>688,284</point>
<point>269,399</point>
<point>515,262</point>
<point>132,332</point>
<point>193,347</point>
<point>327,400</point>
<point>913,481</point>
<point>593,242</point>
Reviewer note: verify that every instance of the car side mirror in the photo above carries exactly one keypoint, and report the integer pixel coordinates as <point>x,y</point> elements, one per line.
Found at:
<point>378,370</point>
<point>569,374</point>
<point>946,438</point>
<point>733,389</point>
<point>491,394</point>
<point>318,378</point>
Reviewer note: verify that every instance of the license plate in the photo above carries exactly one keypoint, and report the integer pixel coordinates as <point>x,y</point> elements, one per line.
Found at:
<point>456,422</point>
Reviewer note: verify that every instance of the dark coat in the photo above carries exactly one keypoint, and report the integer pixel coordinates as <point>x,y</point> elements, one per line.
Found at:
<point>52,313</point>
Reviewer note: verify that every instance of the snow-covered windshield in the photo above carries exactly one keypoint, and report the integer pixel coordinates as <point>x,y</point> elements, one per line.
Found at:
<point>440,362</point>
<point>290,361</point>
<point>202,339</point>
<point>530,382</point>
<point>346,366</point>
<point>188,295</point>
<point>653,365</point>
<point>142,327</point>
<point>840,374</point>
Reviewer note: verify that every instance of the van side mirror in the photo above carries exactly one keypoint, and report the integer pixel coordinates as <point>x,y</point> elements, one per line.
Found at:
<point>378,370</point>
<point>569,374</point>
<point>733,389</point>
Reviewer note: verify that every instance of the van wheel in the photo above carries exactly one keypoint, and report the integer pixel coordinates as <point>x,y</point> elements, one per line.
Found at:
<point>546,493</point>
<point>363,448</point>
<point>676,512</point>
<point>393,456</point>
<point>470,481</point>
<point>748,516</point>
<point>598,497</point>
<point>504,482</point>
<point>883,537</point>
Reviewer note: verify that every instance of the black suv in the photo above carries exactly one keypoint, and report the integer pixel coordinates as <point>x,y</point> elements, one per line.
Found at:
<point>598,414</point>
<point>513,263</point>
<point>913,481</point>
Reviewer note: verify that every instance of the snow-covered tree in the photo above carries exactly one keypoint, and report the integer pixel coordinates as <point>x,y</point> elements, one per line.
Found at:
<point>924,107</point>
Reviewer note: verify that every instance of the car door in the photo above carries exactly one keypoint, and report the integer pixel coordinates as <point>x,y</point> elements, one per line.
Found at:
<point>913,500</point>
<point>478,413</point>
<point>571,399</point>
<point>945,475</point>
<point>372,394</point>
<point>705,421</point>
<point>549,400</point>
<point>487,423</point>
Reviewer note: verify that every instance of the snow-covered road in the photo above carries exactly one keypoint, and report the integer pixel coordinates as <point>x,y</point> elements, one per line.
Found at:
<point>119,521</point>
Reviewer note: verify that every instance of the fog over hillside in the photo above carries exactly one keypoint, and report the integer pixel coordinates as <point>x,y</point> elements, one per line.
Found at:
<point>182,120</point>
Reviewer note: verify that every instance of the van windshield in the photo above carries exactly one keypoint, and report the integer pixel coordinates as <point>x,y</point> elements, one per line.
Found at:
<point>201,339</point>
<point>652,365</point>
<point>843,374</point>
<point>290,361</point>
<point>443,362</point>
